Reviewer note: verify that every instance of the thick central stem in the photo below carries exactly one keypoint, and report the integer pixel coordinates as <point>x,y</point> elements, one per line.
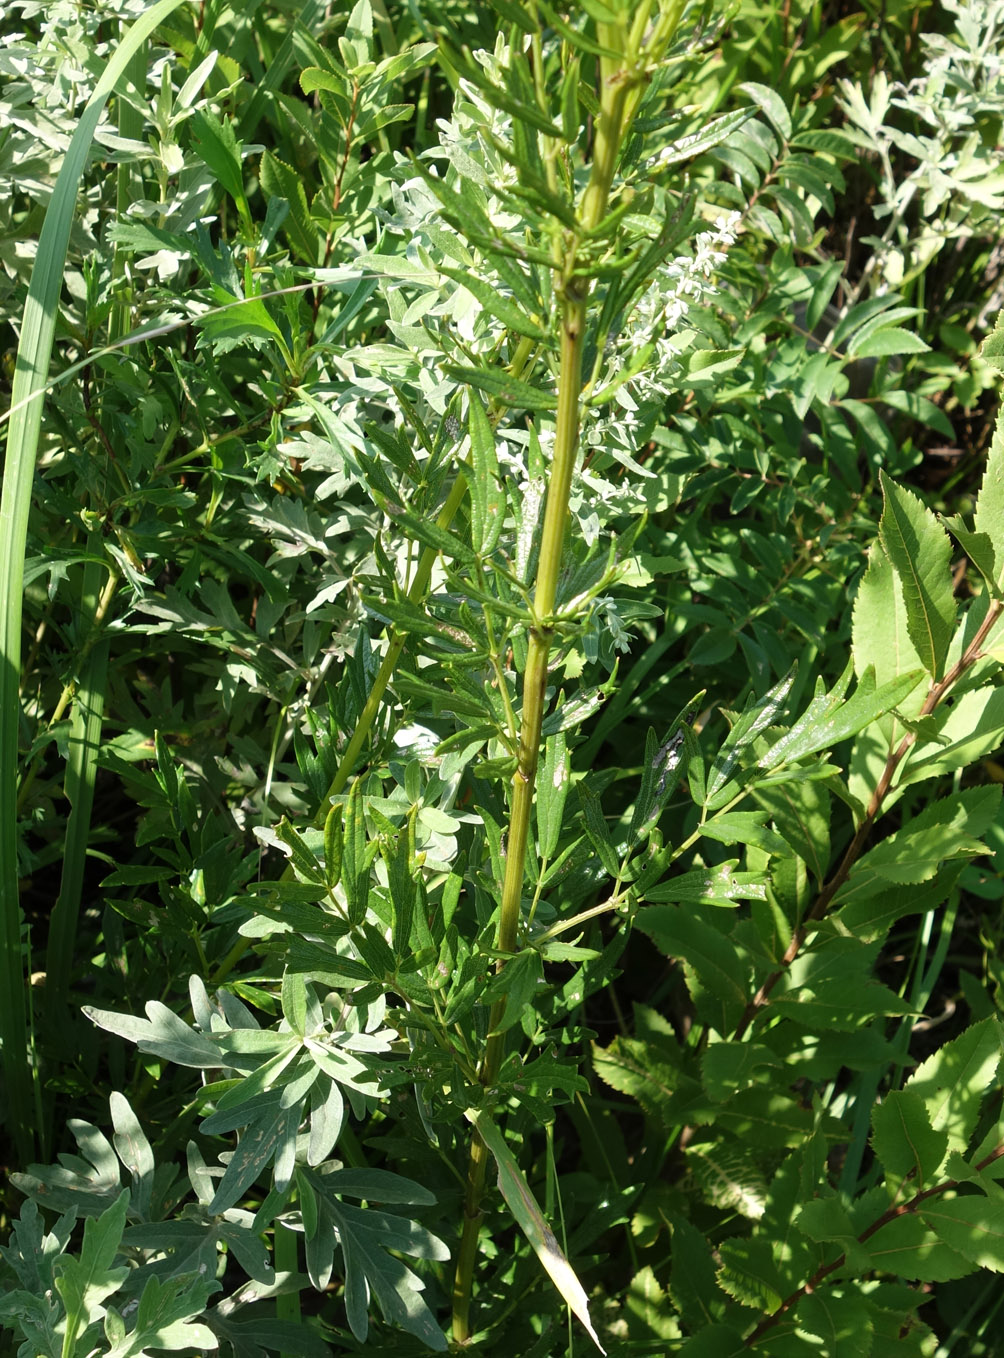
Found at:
<point>566,441</point>
<point>629,46</point>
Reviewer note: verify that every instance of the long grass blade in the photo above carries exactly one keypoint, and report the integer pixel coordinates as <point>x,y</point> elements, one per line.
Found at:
<point>30,373</point>
<point>81,770</point>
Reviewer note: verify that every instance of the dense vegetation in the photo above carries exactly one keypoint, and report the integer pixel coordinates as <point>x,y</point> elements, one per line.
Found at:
<point>501,654</point>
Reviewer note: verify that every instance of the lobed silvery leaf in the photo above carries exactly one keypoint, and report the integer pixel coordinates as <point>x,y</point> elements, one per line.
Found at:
<point>365,1237</point>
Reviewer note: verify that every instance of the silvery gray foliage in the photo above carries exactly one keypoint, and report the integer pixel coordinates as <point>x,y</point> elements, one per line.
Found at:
<point>951,188</point>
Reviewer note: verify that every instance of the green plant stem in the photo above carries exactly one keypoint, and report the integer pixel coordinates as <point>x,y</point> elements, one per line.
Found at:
<point>621,78</point>
<point>531,720</point>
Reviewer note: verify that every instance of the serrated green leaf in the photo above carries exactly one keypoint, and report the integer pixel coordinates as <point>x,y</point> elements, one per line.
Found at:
<point>316,78</point>
<point>840,1318</point>
<point>217,144</point>
<point>904,1140</point>
<point>886,341</point>
<point>748,1273</point>
<point>982,552</point>
<point>715,1341</point>
<point>280,180</point>
<point>953,1081</point>
<point>879,634</point>
<point>943,830</point>
<point>880,905</point>
<point>920,552</point>
<point>827,723</point>
<point>984,544</point>
<point>992,348</point>
<point>989,515</point>
<point>692,1284</point>
<point>648,1315</point>
<point>831,988</point>
<point>961,735</point>
<point>646,1073</point>
<point>972,1226</point>
<point>730,1066</point>
<point>744,827</point>
<point>906,1248</point>
<point>828,1222</point>
<point>716,977</point>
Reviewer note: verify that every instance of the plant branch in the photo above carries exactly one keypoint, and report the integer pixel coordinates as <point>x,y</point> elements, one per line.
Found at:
<point>891,1213</point>
<point>824,900</point>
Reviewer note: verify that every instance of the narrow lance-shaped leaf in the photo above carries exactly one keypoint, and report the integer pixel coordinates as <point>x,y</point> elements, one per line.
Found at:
<point>552,791</point>
<point>709,137</point>
<point>487,496</point>
<point>664,767</point>
<point>756,718</point>
<point>516,1191</point>
<point>920,552</point>
<point>218,146</point>
<point>826,723</point>
<point>511,315</point>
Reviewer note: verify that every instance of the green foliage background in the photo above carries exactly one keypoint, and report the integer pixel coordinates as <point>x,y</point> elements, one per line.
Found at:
<point>501,678</point>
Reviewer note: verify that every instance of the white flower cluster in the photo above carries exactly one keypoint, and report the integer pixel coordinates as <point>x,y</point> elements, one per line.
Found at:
<point>683,282</point>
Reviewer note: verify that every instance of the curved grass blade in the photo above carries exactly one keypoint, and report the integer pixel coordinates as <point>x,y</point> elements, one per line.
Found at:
<point>30,373</point>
